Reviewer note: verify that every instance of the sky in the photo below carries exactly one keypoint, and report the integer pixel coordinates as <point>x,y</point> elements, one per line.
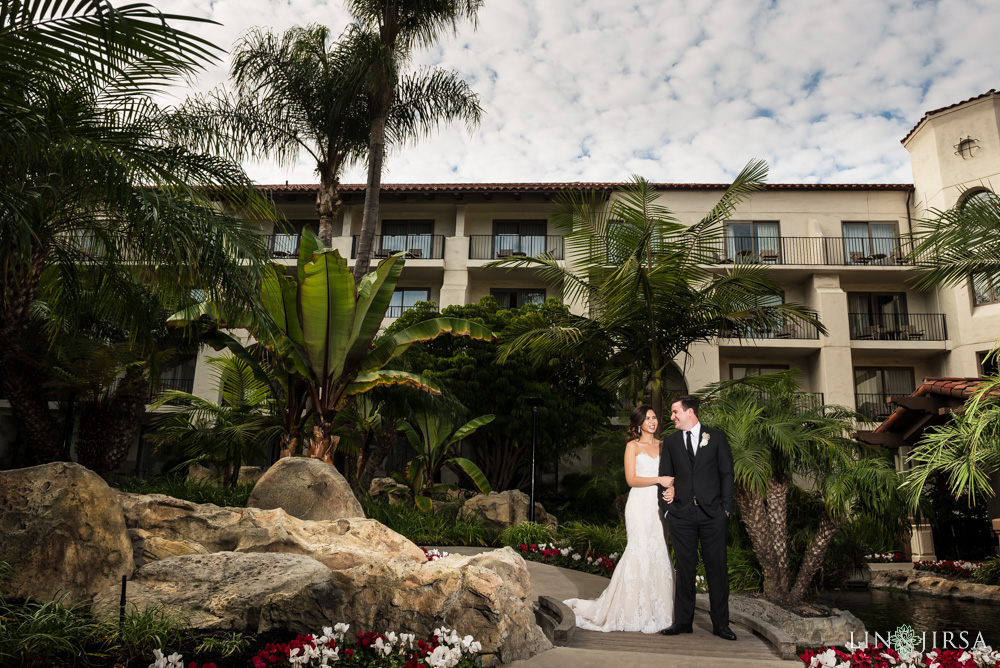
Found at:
<point>676,91</point>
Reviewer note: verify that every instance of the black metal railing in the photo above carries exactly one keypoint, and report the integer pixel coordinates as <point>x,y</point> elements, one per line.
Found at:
<point>496,246</point>
<point>874,406</point>
<point>850,251</point>
<point>416,246</point>
<point>898,326</point>
<point>167,384</point>
<point>790,330</point>
<point>282,245</point>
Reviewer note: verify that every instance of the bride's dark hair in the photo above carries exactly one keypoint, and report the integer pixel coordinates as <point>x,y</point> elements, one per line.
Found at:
<point>635,421</point>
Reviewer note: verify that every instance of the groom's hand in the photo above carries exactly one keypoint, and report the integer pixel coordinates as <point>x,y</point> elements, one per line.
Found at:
<point>668,495</point>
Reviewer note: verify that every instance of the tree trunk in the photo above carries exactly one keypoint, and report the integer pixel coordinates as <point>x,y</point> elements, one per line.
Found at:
<point>777,513</point>
<point>289,445</point>
<point>814,557</point>
<point>323,444</point>
<point>327,205</point>
<point>22,385</point>
<point>378,448</point>
<point>753,512</point>
<point>108,429</point>
<point>376,155</point>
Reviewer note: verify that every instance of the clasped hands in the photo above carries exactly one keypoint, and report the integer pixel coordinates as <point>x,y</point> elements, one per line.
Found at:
<point>667,482</point>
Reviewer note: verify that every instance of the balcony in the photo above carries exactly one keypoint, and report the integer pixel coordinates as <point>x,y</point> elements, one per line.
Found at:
<point>282,245</point>
<point>497,246</point>
<point>168,384</point>
<point>790,330</point>
<point>415,246</point>
<point>828,251</point>
<point>874,407</point>
<point>897,326</point>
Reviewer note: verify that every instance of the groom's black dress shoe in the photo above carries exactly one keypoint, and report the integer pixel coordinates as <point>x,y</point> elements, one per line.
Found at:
<point>724,632</point>
<point>677,629</point>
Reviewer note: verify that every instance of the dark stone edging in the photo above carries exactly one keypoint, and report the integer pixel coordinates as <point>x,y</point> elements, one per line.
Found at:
<point>782,642</point>
<point>935,584</point>
<point>556,620</point>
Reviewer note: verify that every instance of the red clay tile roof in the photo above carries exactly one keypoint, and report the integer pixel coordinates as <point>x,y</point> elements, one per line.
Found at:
<point>928,114</point>
<point>959,388</point>
<point>446,188</point>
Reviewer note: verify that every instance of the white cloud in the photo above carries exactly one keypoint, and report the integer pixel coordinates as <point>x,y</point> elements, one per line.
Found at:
<point>675,90</point>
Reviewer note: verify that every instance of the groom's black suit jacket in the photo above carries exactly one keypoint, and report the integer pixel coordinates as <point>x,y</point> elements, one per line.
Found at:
<point>707,478</point>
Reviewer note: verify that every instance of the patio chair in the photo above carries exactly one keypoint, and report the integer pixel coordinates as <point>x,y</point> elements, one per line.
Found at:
<point>504,252</point>
<point>786,332</point>
<point>897,257</point>
<point>911,332</point>
<point>722,259</point>
<point>871,332</point>
<point>768,255</point>
<point>415,253</point>
<point>857,257</point>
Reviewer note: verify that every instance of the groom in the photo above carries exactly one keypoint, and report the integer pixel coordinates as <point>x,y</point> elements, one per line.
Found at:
<point>701,462</point>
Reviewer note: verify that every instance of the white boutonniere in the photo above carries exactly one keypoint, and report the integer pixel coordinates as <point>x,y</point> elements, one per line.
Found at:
<point>704,440</point>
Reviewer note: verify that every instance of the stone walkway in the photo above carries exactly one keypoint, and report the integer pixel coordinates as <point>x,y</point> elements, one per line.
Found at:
<point>591,649</point>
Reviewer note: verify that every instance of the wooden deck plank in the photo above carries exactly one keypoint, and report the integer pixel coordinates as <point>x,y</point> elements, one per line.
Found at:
<point>700,643</point>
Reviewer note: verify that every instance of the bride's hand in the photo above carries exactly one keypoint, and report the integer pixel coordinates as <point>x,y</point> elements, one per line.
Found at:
<point>666,481</point>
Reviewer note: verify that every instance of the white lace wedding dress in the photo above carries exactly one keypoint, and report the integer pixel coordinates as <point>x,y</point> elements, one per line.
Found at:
<point>640,596</point>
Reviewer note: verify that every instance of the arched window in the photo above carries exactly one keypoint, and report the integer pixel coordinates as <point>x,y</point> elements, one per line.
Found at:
<point>977,198</point>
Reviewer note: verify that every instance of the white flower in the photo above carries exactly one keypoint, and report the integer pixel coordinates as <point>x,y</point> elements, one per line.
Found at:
<point>159,660</point>
<point>613,556</point>
<point>704,439</point>
<point>576,556</point>
<point>564,552</point>
<point>175,660</point>
<point>476,647</point>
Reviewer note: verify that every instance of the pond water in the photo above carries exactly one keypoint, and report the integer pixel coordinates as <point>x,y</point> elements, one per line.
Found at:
<point>884,611</point>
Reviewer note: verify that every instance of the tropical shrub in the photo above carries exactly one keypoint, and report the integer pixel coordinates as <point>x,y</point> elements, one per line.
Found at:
<point>441,527</point>
<point>988,573</point>
<point>596,538</point>
<point>195,491</point>
<point>526,533</point>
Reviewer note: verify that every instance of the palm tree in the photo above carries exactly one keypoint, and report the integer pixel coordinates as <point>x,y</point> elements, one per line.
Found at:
<point>227,434</point>
<point>294,93</point>
<point>966,449</point>
<point>650,284</point>
<point>781,439</point>
<point>960,244</point>
<point>403,107</point>
<point>90,182</point>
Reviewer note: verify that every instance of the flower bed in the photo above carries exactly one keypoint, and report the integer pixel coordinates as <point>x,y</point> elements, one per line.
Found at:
<point>885,657</point>
<point>445,649</point>
<point>567,557</point>
<point>963,569</point>
<point>887,558</point>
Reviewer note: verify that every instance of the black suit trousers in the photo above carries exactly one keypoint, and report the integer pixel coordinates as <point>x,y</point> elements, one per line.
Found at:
<point>685,534</point>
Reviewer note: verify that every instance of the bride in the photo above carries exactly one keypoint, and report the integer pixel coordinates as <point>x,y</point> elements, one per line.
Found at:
<point>640,596</point>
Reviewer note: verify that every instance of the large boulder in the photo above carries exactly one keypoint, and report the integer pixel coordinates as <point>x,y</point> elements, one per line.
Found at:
<point>339,544</point>
<point>146,547</point>
<point>503,509</point>
<point>62,531</point>
<point>486,596</point>
<point>228,591</point>
<point>306,488</point>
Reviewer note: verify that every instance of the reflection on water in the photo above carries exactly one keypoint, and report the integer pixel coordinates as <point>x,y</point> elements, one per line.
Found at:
<point>883,611</point>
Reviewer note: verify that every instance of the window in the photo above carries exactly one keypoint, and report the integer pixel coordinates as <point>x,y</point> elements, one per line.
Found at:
<point>180,377</point>
<point>871,243</point>
<point>873,315</point>
<point>407,236</point>
<point>285,240</point>
<point>519,237</point>
<point>518,297</point>
<point>737,371</point>
<point>753,241</point>
<point>404,299</point>
<point>873,385</point>
<point>987,363</point>
<point>985,289</point>
<point>978,199</point>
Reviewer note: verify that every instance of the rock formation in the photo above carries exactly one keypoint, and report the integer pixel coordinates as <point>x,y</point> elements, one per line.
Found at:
<point>62,532</point>
<point>504,509</point>
<point>306,488</point>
